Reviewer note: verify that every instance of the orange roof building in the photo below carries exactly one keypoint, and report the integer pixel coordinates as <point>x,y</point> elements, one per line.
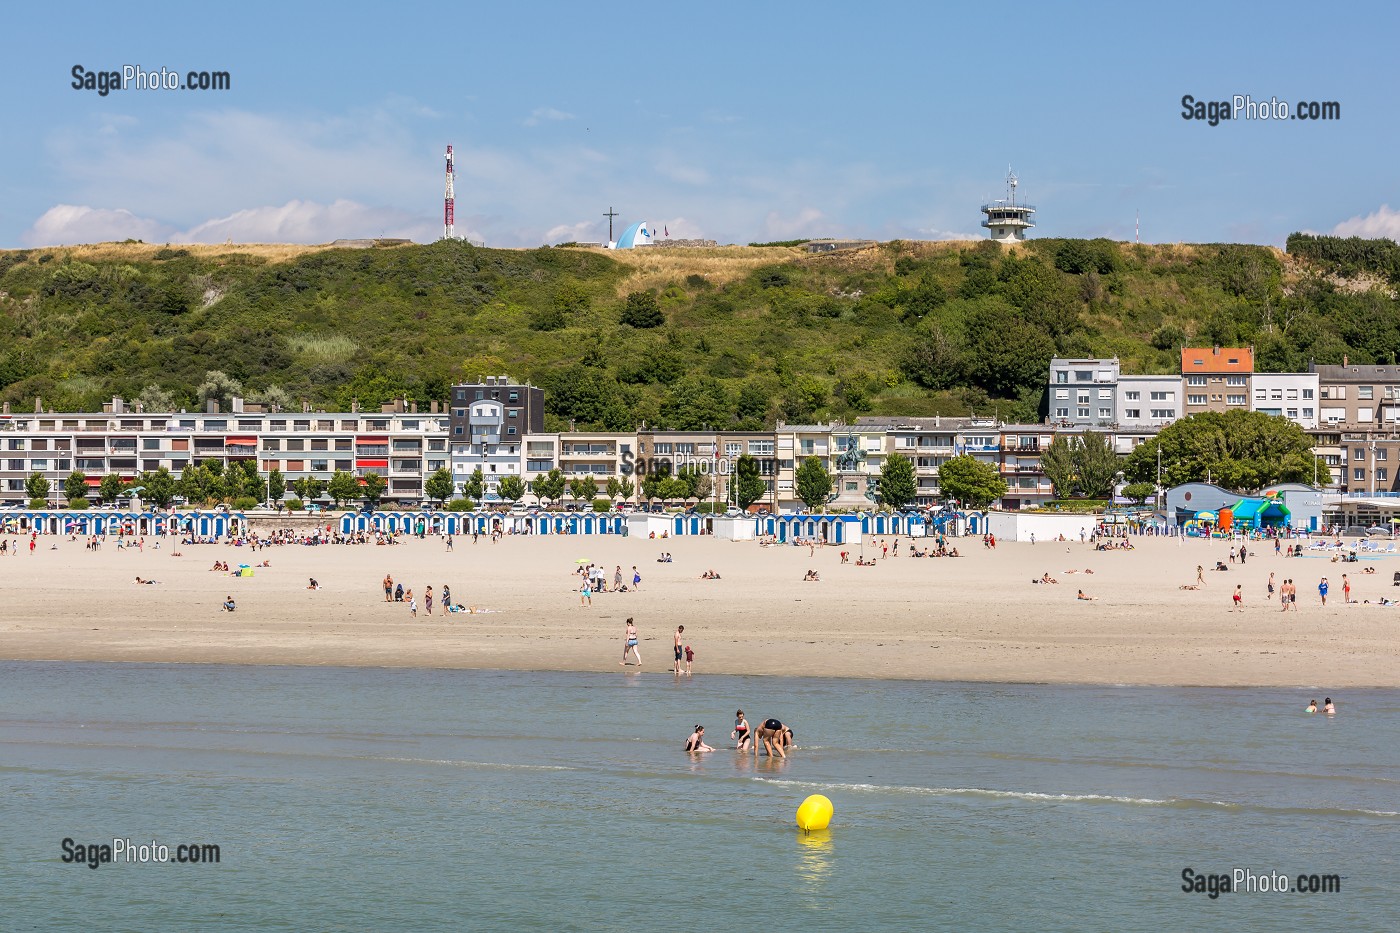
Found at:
<point>1217,360</point>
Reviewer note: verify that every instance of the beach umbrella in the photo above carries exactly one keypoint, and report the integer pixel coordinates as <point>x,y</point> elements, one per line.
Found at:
<point>583,560</point>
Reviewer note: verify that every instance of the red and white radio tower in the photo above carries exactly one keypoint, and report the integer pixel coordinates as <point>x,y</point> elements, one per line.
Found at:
<point>448,199</point>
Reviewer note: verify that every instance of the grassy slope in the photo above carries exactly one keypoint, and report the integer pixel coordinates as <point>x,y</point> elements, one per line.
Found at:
<point>808,335</point>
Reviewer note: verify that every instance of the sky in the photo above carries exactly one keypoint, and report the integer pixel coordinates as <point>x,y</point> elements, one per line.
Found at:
<point>737,122</point>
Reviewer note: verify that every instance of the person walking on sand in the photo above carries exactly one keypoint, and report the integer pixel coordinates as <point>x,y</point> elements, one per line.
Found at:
<point>1322,590</point>
<point>636,578</point>
<point>629,643</point>
<point>1238,598</point>
<point>412,607</point>
<point>680,633</point>
<point>1271,585</point>
<point>585,593</point>
<point>1346,590</point>
<point>428,600</point>
<point>1200,575</point>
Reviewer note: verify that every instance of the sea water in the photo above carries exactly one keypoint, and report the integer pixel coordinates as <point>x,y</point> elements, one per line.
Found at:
<point>376,799</point>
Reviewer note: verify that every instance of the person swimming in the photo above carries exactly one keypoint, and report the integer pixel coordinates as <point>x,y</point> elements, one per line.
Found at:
<point>1312,707</point>
<point>1328,708</point>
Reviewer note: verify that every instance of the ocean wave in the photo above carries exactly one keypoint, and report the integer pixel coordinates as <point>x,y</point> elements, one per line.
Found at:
<point>457,763</point>
<point>1184,803</point>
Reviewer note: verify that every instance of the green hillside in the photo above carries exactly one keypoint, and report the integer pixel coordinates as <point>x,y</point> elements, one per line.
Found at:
<point>673,337</point>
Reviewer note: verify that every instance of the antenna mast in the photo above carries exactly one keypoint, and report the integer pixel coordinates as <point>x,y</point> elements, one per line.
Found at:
<point>448,200</point>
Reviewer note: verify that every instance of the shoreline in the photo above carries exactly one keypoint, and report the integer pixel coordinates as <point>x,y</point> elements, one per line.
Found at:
<point>973,619</point>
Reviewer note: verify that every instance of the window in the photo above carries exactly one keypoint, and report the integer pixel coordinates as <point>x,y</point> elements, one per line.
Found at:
<point>1236,399</point>
<point>1365,414</point>
<point>512,413</point>
<point>761,448</point>
<point>1062,413</point>
<point>1195,380</point>
<point>1293,413</point>
<point>320,443</point>
<point>1105,413</point>
<point>296,443</point>
<point>1195,399</point>
<point>1163,396</point>
<point>1365,392</point>
<point>1236,380</point>
<point>1132,413</point>
<point>732,449</point>
<point>1083,375</point>
<point>150,443</point>
<point>686,448</point>
<point>1062,393</point>
<point>513,396</point>
<point>510,429</point>
<point>1061,377</point>
<point>1307,393</point>
<point>1276,395</point>
<point>661,448</point>
<point>1082,412</point>
<point>1382,475</point>
<point>1380,454</point>
<point>320,466</point>
<point>1261,395</point>
<point>1307,413</point>
<point>1105,393</point>
<point>1083,398</point>
<point>1359,475</point>
<point>1166,413</point>
<point>1293,394</point>
<point>1132,396</point>
<point>1358,454</point>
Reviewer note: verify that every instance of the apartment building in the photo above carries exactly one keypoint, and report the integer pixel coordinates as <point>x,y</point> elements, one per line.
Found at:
<point>399,443</point>
<point>1217,379</point>
<point>1289,395</point>
<point>1084,391</point>
<point>1358,430</point>
<point>1148,401</point>
<point>1019,465</point>
<point>491,420</point>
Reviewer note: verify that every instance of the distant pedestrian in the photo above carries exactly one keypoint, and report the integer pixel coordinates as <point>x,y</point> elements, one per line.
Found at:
<point>1271,586</point>
<point>680,634</point>
<point>1238,598</point>
<point>585,593</point>
<point>636,578</point>
<point>1346,589</point>
<point>1322,590</point>
<point>412,607</point>
<point>388,588</point>
<point>629,644</point>
<point>689,658</point>
<point>428,600</point>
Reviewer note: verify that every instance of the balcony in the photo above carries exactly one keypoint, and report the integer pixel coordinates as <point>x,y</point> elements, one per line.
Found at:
<point>372,450</point>
<point>241,450</point>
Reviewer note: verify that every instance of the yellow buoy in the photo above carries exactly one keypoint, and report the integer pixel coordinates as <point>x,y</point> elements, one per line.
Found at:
<point>814,813</point>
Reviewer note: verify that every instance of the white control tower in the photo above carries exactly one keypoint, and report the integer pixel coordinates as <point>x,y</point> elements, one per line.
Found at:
<point>1007,220</point>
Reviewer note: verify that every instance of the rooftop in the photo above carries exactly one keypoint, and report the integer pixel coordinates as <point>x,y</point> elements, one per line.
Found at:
<point>1217,360</point>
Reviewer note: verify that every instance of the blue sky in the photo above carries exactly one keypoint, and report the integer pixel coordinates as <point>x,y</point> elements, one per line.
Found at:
<point>732,121</point>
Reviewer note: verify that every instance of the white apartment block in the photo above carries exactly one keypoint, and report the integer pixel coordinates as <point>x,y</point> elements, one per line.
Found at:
<point>1148,401</point>
<point>1294,396</point>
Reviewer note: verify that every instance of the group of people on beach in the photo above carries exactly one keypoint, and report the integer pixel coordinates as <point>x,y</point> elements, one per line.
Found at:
<point>773,734</point>
<point>395,593</point>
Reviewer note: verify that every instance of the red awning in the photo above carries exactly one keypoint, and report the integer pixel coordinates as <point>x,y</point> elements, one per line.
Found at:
<point>245,441</point>
<point>372,440</point>
<point>372,464</point>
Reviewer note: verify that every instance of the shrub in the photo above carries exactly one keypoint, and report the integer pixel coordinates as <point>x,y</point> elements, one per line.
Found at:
<point>602,505</point>
<point>294,505</point>
<point>460,505</point>
<point>244,503</point>
<point>79,503</point>
<point>38,503</point>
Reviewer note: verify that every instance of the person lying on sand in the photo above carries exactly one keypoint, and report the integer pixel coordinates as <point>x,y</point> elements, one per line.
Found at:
<point>1082,596</point>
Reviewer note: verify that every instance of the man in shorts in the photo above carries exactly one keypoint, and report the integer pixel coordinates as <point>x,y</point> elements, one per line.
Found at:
<point>680,651</point>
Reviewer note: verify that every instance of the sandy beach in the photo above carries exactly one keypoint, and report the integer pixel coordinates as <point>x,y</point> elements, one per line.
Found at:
<point>973,618</point>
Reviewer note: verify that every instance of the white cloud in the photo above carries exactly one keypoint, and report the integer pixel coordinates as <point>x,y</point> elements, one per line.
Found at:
<point>71,223</point>
<point>293,222</point>
<point>585,231</point>
<point>808,222</point>
<point>1382,223</point>
<point>541,114</point>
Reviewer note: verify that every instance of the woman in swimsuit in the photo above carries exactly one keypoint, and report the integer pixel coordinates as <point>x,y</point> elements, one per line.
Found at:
<point>741,730</point>
<point>696,742</point>
<point>771,734</point>
<point>631,644</point>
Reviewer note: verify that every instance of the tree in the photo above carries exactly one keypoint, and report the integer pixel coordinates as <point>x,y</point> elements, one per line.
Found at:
<point>218,386</point>
<point>1241,450</point>
<point>75,486</point>
<point>1057,463</point>
<point>1005,352</point>
<point>898,487</point>
<point>583,488</point>
<point>111,488</point>
<point>694,403</point>
<point>343,487</point>
<point>373,488</point>
<point>698,484</point>
<point>155,399</point>
<point>37,486</point>
<point>308,488</point>
<point>475,486</point>
<point>1140,492</point>
<point>549,486</point>
<point>511,488</point>
<point>627,487</point>
<point>243,481</point>
<point>642,310</point>
<point>157,487</point>
<point>440,485</point>
<point>276,486</point>
<point>1096,465</point>
<point>614,487</point>
<point>973,483</point>
<point>813,483</point>
<point>654,483</point>
<point>749,485</point>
